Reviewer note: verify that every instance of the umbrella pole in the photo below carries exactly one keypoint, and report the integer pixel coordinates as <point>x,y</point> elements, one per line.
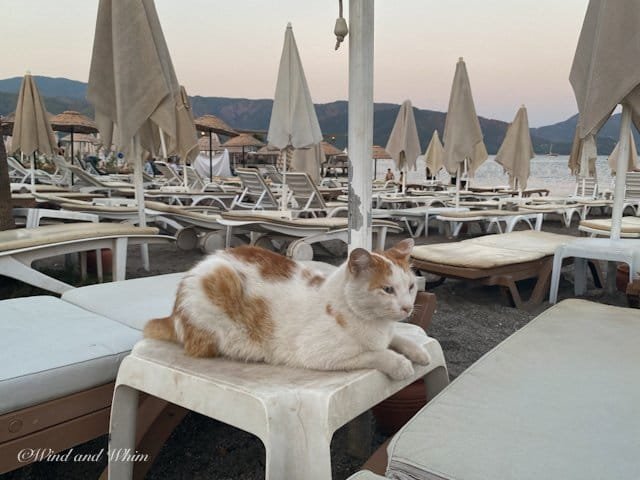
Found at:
<point>33,172</point>
<point>621,170</point>
<point>404,181</point>
<point>210,159</point>
<point>360,128</point>
<point>139,192</point>
<point>285,192</point>
<point>458,173</point>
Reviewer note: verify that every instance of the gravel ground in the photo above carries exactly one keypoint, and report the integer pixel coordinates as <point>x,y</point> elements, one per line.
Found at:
<point>468,322</point>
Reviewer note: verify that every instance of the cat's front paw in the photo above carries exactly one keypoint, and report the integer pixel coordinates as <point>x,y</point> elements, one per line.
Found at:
<point>400,368</point>
<point>419,355</point>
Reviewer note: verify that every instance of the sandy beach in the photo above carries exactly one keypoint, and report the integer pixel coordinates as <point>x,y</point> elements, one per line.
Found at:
<point>468,322</point>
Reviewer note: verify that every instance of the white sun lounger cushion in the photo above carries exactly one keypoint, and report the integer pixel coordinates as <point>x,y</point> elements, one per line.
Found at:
<point>470,255</point>
<point>88,207</point>
<point>179,211</point>
<point>477,214</point>
<point>51,348</point>
<point>130,302</point>
<point>51,234</point>
<point>525,240</point>
<point>319,222</point>
<point>492,251</point>
<point>556,400</point>
<point>629,224</point>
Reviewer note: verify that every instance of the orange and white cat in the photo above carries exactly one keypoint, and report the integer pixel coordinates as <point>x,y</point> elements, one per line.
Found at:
<point>251,304</point>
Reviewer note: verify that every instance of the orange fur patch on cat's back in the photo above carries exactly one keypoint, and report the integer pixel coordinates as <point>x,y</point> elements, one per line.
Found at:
<point>312,279</point>
<point>272,265</point>
<point>380,271</point>
<point>224,288</point>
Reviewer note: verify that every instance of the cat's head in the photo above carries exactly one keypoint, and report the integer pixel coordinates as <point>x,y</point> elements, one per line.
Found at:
<point>381,285</point>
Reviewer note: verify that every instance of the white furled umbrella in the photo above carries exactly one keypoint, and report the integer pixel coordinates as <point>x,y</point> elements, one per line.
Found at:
<point>516,151</point>
<point>583,156</point>
<point>293,123</point>
<point>462,134</point>
<point>133,86</point>
<point>605,73</point>
<point>404,144</point>
<point>434,156</point>
<point>631,159</point>
<point>31,128</point>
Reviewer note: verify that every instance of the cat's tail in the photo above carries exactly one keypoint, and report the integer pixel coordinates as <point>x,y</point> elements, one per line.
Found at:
<point>161,329</point>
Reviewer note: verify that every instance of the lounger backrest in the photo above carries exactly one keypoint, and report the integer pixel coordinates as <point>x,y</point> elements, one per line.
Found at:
<point>273,174</point>
<point>254,185</point>
<point>586,187</point>
<point>304,191</point>
<point>167,172</point>
<point>14,164</point>
<point>632,186</point>
<point>194,179</point>
<point>85,177</point>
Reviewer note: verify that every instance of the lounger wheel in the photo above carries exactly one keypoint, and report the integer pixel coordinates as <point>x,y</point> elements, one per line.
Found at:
<point>300,251</point>
<point>212,241</point>
<point>187,238</point>
<point>265,242</point>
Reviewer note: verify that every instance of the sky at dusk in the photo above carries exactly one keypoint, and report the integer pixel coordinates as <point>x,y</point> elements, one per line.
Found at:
<point>517,51</point>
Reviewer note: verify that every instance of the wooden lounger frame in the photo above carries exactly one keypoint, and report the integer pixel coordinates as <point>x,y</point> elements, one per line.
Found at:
<point>506,277</point>
<point>62,423</point>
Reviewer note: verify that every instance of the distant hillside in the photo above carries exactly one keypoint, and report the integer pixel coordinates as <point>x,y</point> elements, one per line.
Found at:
<point>62,94</point>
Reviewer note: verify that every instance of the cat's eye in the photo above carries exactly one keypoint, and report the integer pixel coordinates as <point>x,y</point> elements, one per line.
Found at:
<point>388,289</point>
<point>413,285</point>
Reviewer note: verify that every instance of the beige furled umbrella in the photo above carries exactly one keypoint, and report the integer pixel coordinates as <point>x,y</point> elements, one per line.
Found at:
<point>516,151</point>
<point>631,158</point>
<point>584,152</point>
<point>434,156</point>
<point>462,134</point>
<point>31,128</point>
<point>605,73</point>
<point>294,123</point>
<point>133,86</point>
<point>404,144</point>
<point>303,157</point>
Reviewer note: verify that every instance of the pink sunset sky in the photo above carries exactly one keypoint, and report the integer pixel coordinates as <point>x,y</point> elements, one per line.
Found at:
<point>517,51</point>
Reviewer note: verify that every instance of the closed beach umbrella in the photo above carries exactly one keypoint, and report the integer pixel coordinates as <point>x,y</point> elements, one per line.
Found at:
<point>132,83</point>
<point>462,134</point>
<point>31,128</point>
<point>629,163</point>
<point>583,156</point>
<point>516,151</point>
<point>293,123</point>
<point>605,73</point>
<point>434,156</point>
<point>404,144</point>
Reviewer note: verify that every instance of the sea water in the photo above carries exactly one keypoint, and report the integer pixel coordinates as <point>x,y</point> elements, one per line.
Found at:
<point>546,172</point>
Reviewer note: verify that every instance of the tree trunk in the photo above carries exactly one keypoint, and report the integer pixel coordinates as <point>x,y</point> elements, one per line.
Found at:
<point>6,217</point>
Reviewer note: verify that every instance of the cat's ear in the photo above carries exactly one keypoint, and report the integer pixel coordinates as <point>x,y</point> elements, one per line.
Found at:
<point>359,261</point>
<point>402,250</point>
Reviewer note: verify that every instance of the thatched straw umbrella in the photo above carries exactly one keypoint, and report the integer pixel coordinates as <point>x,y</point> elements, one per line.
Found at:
<point>378,153</point>
<point>208,143</point>
<point>330,150</point>
<point>212,124</point>
<point>73,122</point>
<point>243,140</point>
<point>6,123</point>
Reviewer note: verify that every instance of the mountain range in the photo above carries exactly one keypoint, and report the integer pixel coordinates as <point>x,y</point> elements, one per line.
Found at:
<point>61,94</point>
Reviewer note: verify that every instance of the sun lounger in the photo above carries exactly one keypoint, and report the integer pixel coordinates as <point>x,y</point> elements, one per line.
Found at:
<point>602,227</point>
<point>491,218</point>
<point>85,182</point>
<point>555,400</point>
<point>255,194</point>
<point>304,231</point>
<point>418,215</point>
<point>307,197</point>
<point>501,259</point>
<point>20,247</point>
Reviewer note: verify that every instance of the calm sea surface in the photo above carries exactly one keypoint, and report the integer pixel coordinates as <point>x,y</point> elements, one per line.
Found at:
<point>546,172</point>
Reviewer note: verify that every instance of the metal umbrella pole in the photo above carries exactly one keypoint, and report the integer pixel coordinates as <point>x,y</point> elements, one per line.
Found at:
<point>210,158</point>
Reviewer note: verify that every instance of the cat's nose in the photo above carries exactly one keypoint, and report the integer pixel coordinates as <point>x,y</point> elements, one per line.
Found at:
<point>407,309</point>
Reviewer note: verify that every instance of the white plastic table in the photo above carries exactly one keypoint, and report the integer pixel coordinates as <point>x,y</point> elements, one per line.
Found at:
<point>293,411</point>
<point>583,249</point>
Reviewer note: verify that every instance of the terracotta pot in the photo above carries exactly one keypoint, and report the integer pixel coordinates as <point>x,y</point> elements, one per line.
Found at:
<point>106,261</point>
<point>395,411</point>
<point>622,277</point>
